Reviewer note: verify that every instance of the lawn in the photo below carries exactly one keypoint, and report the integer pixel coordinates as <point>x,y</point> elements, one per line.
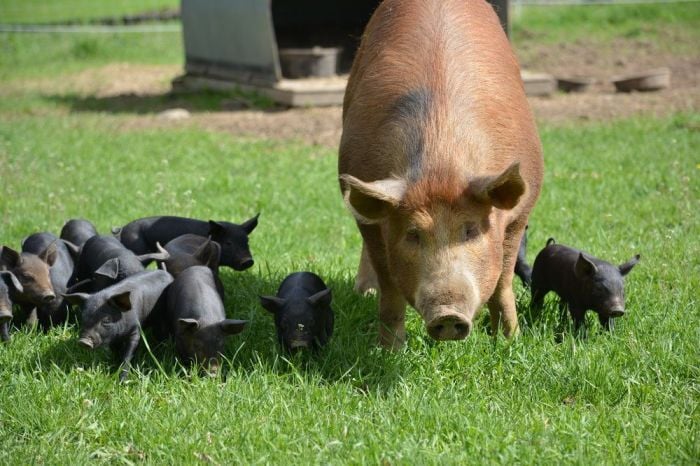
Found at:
<point>613,188</point>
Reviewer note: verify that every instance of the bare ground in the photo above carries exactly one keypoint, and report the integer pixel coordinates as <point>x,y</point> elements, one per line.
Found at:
<point>142,92</point>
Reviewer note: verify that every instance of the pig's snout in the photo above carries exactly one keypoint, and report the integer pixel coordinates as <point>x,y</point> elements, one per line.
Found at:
<point>48,298</point>
<point>451,326</point>
<point>616,312</point>
<point>86,342</point>
<point>5,316</point>
<point>245,263</point>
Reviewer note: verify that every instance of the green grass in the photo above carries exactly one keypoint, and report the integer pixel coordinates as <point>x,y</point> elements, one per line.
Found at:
<point>56,55</point>
<point>612,189</point>
<point>602,23</point>
<point>40,11</point>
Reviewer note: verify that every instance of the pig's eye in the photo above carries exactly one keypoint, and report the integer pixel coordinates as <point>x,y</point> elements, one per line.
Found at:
<point>413,236</point>
<point>470,232</point>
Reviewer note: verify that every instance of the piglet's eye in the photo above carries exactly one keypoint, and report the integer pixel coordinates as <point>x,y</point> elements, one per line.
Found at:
<point>413,236</point>
<point>470,231</point>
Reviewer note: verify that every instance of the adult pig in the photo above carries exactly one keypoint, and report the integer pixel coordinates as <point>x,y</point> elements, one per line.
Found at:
<point>302,309</point>
<point>440,163</point>
<point>113,316</point>
<point>8,282</point>
<point>52,312</point>
<point>78,231</point>
<point>197,319</point>
<point>582,282</point>
<point>141,236</point>
<point>104,261</point>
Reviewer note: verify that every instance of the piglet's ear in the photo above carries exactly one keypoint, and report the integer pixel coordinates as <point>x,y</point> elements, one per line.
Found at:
<point>231,326</point>
<point>502,191</point>
<point>188,325</point>
<point>110,269</point>
<point>272,303</point>
<point>371,202</point>
<point>627,266</point>
<point>121,301</point>
<point>208,253</point>
<point>249,225</point>
<point>50,254</point>
<point>76,299</point>
<point>584,267</point>
<point>9,257</point>
<point>73,249</point>
<point>320,299</point>
<point>215,228</point>
<point>11,280</point>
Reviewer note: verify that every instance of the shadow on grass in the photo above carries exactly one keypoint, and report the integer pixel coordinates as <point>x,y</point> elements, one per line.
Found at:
<point>143,104</point>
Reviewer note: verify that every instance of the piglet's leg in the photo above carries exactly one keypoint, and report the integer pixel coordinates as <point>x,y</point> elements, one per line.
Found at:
<point>129,349</point>
<point>578,315</point>
<point>606,322</point>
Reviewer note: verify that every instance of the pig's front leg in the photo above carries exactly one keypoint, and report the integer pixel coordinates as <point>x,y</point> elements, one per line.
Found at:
<point>392,305</point>
<point>502,303</point>
<point>130,346</point>
<point>366,279</point>
<point>606,322</point>
<point>578,314</point>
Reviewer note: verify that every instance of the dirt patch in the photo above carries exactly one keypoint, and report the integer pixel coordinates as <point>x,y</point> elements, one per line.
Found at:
<point>142,91</point>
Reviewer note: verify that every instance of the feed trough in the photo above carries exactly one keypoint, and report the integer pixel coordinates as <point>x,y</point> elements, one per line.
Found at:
<point>650,80</point>
<point>574,84</point>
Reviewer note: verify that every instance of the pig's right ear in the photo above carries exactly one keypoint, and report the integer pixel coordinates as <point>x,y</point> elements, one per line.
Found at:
<point>76,299</point>
<point>502,191</point>
<point>371,202</point>
<point>121,301</point>
<point>188,325</point>
<point>109,269</point>
<point>9,257</point>
<point>11,280</point>
<point>272,303</point>
<point>627,266</point>
<point>584,267</point>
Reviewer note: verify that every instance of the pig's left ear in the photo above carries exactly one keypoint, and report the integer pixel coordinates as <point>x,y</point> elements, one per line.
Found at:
<point>371,202</point>
<point>272,303</point>
<point>50,254</point>
<point>249,225</point>
<point>627,266</point>
<point>320,299</point>
<point>231,326</point>
<point>215,228</point>
<point>109,269</point>
<point>502,191</point>
<point>121,301</point>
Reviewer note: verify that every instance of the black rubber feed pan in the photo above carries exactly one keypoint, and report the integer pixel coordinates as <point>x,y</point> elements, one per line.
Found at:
<point>314,62</point>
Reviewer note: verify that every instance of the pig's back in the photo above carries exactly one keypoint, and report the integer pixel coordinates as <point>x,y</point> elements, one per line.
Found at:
<point>435,82</point>
<point>193,294</point>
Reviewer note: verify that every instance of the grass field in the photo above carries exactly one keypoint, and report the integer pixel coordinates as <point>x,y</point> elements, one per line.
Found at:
<point>612,188</point>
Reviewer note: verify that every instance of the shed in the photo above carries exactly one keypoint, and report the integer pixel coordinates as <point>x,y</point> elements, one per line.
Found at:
<point>297,52</point>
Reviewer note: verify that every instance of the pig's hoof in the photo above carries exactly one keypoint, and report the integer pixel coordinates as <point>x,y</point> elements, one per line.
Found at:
<point>392,341</point>
<point>365,287</point>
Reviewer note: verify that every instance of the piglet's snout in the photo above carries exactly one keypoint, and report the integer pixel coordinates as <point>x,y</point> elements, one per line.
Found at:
<point>48,298</point>
<point>449,326</point>
<point>5,316</point>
